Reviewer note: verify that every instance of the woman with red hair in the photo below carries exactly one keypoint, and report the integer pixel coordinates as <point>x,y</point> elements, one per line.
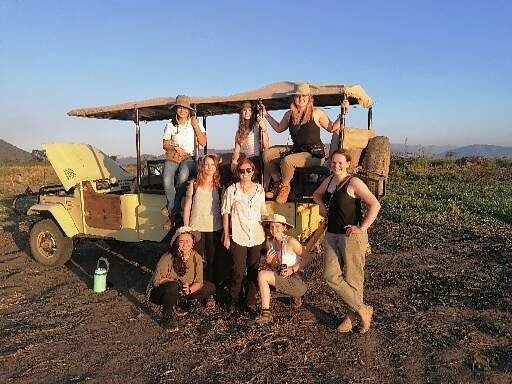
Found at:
<point>202,213</point>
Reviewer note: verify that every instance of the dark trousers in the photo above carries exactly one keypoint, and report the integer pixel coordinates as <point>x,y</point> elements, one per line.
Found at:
<point>245,258</point>
<point>210,246</point>
<point>167,294</point>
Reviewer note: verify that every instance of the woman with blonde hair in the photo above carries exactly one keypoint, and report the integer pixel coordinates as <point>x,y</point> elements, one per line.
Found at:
<point>251,139</point>
<point>202,212</point>
<point>304,122</point>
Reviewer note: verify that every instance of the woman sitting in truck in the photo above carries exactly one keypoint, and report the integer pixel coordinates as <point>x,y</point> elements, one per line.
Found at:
<point>304,122</point>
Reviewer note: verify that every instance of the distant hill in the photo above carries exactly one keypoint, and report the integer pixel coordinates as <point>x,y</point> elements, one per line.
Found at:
<point>488,151</point>
<point>428,150</point>
<point>9,152</point>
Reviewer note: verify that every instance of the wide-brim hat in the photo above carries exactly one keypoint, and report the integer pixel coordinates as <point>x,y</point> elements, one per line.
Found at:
<point>195,235</point>
<point>276,218</point>
<point>182,101</point>
<point>301,89</point>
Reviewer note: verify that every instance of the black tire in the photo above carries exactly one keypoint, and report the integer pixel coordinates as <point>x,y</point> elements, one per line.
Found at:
<point>48,244</point>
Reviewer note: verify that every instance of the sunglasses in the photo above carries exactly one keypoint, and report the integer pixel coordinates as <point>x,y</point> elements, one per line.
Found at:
<point>242,171</point>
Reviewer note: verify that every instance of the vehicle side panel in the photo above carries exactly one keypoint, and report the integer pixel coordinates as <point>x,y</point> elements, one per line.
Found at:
<point>60,214</point>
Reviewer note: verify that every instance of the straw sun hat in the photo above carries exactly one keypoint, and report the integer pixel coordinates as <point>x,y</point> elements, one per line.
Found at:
<point>195,235</point>
<point>301,89</point>
<point>182,101</point>
<point>276,218</point>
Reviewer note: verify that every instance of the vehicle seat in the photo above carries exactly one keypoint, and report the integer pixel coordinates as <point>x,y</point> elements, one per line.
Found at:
<point>305,181</point>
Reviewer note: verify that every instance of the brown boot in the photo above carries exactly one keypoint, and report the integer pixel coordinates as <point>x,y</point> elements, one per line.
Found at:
<point>282,196</point>
<point>274,189</point>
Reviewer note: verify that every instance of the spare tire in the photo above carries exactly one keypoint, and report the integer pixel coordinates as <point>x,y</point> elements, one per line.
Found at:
<point>377,157</point>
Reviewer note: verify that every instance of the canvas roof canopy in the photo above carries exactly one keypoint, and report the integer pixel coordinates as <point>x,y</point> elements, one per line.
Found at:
<point>276,96</point>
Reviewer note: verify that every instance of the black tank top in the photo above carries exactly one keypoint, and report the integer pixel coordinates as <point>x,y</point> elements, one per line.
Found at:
<point>305,135</point>
<point>343,209</point>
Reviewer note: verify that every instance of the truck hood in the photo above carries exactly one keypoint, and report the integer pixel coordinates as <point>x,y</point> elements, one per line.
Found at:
<point>75,163</point>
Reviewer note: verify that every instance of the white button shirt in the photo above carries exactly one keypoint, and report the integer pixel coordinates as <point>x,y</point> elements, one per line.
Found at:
<point>245,214</point>
<point>182,135</point>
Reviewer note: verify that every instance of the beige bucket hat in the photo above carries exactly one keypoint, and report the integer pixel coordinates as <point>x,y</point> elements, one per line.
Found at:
<point>276,218</point>
<point>182,101</point>
<point>195,235</point>
<point>301,89</point>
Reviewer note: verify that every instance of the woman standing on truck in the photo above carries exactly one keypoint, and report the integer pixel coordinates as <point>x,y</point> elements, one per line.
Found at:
<point>243,205</point>
<point>304,122</point>
<point>251,139</point>
<point>202,213</point>
<point>339,199</point>
<point>179,142</point>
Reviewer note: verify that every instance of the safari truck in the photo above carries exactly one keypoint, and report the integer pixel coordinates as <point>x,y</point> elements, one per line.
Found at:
<point>98,199</point>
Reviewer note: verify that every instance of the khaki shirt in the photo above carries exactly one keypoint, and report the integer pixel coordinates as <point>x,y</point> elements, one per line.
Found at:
<point>164,270</point>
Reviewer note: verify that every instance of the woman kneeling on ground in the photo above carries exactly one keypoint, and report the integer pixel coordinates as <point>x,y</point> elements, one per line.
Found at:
<point>179,275</point>
<point>287,254</point>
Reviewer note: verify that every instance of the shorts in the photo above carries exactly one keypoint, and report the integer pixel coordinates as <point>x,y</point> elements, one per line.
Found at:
<point>292,285</point>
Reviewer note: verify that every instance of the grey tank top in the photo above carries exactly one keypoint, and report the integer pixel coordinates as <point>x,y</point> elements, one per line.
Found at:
<point>205,213</point>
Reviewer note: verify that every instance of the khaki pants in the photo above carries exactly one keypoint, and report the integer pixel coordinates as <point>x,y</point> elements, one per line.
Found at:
<point>344,259</point>
<point>275,165</point>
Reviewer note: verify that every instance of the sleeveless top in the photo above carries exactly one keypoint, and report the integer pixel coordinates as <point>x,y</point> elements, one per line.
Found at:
<point>205,213</point>
<point>305,135</point>
<point>343,209</point>
<point>289,258</point>
<point>251,146</point>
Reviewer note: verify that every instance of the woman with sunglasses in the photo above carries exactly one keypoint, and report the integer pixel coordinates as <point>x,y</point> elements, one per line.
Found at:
<point>243,206</point>
<point>202,213</point>
<point>251,138</point>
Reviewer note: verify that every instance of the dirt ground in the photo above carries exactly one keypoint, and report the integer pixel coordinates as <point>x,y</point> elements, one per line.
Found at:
<point>442,316</point>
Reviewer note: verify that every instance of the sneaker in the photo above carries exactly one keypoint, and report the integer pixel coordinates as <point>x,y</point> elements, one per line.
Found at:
<point>264,318</point>
<point>168,225</point>
<point>282,196</point>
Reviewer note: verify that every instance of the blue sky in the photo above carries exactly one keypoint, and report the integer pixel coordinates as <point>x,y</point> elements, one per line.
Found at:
<point>439,71</point>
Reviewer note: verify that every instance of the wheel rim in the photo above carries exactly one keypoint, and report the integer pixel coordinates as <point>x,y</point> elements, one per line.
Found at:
<point>46,244</point>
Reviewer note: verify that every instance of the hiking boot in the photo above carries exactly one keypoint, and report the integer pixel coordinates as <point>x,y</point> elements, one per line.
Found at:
<point>180,312</point>
<point>296,302</point>
<point>265,317</point>
<point>282,196</point>
<point>272,191</point>
<point>169,324</point>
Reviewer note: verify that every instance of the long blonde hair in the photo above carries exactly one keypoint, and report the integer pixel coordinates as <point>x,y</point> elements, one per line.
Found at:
<point>201,178</point>
<point>299,117</point>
